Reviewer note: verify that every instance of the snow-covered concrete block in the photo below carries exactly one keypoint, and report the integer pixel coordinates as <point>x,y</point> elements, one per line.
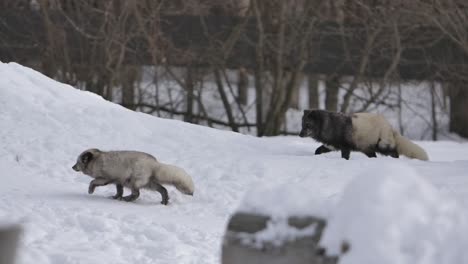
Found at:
<point>9,236</point>
<point>252,238</point>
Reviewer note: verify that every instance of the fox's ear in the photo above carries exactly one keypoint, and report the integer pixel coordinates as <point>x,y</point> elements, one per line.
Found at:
<point>86,157</point>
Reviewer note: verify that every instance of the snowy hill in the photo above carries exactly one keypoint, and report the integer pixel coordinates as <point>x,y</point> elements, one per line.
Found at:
<point>45,125</point>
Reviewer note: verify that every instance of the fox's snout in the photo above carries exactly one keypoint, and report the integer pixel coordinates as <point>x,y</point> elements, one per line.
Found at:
<point>75,168</point>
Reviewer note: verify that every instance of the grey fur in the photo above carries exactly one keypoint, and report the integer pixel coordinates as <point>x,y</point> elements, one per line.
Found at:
<point>131,169</point>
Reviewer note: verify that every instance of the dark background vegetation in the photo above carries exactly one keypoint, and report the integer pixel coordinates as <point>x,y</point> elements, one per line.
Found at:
<point>271,46</point>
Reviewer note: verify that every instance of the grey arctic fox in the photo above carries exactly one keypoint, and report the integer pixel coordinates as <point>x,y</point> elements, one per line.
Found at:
<point>365,132</point>
<point>134,170</point>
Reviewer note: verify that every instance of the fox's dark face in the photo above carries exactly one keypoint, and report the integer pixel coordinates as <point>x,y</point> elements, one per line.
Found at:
<point>82,161</point>
<point>310,124</point>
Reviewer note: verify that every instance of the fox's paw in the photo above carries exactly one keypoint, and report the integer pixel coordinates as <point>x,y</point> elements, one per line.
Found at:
<point>165,202</point>
<point>129,198</point>
<point>116,197</point>
<point>91,189</point>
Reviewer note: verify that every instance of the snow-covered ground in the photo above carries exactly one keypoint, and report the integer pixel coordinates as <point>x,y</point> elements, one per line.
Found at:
<point>391,211</point>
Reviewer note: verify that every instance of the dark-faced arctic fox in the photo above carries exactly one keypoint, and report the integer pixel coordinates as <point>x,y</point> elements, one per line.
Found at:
<point>134,170</point>
<point>364,132</point>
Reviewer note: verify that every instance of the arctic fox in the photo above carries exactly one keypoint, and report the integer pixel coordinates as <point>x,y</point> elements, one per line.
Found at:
<point>364,132</point>
<point>134,170</point>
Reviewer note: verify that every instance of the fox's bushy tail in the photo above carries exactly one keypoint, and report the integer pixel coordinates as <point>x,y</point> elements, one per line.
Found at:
<point>173,175</point>
<point>409,149</point>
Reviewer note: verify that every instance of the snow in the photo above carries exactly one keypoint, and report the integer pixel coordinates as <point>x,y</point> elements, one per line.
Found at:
<point>46,124</point>
<point>398,217</point>
<point>276,233</point>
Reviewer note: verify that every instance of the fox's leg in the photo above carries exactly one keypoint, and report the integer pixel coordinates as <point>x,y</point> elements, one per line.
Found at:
<point>388,151</point>
<point>371,154</point>
<point>322,149</point>
<point>97,182</point>
<point>119,193</point>
<point>163,192</point>
<point>132,197</point>
<point>394,154</point>
<point>345,153</point>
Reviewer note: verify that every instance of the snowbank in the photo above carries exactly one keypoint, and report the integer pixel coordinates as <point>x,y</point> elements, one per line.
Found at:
<point>397,217</point>
<point>390,213</point>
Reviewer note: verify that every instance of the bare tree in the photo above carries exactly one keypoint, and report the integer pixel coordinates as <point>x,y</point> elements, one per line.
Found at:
<point>451,17</point>
<point>313,82</point>
<point>332,86</point>
<point>131,52</point>
<point>287,32</point>
<point>242,86</point>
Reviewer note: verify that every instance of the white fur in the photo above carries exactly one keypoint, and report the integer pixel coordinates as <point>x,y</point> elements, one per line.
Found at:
<point>368,129</point>
<point>409,149</point>
<point>170,174</point>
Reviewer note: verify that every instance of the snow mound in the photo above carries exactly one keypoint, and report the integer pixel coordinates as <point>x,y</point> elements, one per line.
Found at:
<point>283,200</point>
<point>276,233</point>
<point>396,216</point>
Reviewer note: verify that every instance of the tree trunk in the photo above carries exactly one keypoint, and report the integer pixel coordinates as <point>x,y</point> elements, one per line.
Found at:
<point>189,98</point>
<point>400,110</point>
<point>242,86</point>
<point>259,100</point>
<point>313,82</point>
<point>278,113</point>
<point>459,109</point>
<point>259,69</point>
<point>433,111</point>
<point>128,80</point>
<point>224,99</point>
<point>331,96</point>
